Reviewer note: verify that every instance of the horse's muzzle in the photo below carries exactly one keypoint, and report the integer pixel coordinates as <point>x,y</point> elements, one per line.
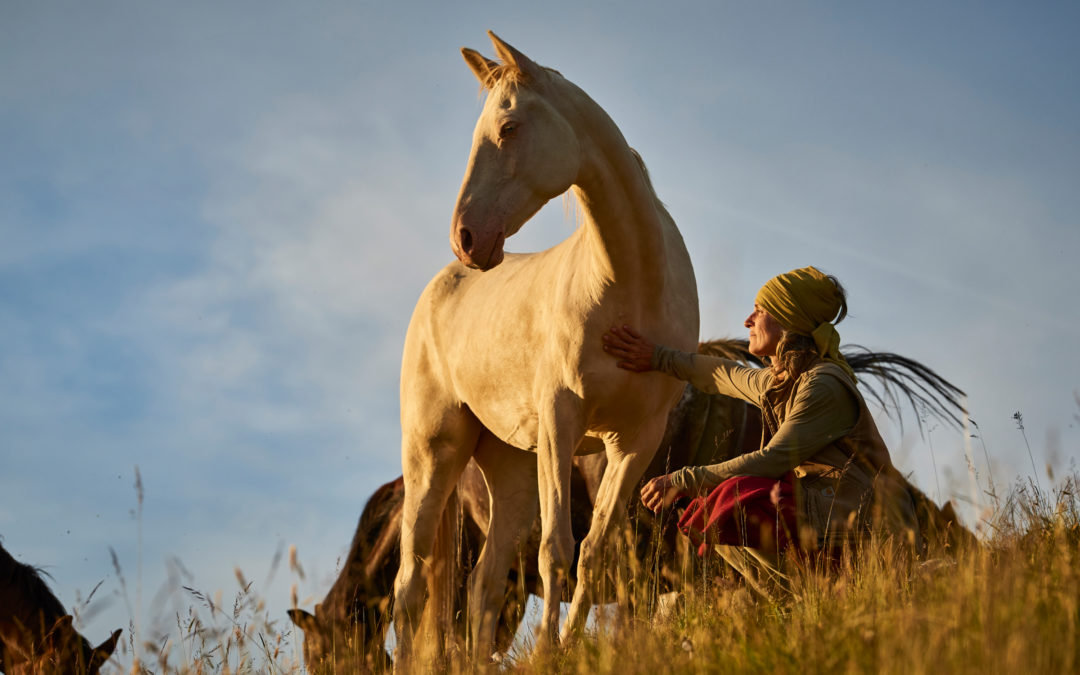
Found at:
<point>475,251</point>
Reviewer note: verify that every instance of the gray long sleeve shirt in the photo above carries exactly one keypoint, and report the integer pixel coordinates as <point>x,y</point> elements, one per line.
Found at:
<point>820,411</point>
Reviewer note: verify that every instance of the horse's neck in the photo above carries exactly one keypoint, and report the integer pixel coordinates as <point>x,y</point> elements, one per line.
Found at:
<point>622,220</point>
<point>24,596</point>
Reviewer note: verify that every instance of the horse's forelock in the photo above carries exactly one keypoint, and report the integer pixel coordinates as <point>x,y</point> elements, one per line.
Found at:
<point>506,73</point>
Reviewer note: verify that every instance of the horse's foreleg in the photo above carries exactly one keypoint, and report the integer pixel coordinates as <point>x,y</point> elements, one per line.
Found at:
<point>510,475</point>
<point>626,465</point>
<point>431,469</point>
<point>560,430</point>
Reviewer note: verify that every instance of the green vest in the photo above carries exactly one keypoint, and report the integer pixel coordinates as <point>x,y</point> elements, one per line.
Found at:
<point>850,487</point>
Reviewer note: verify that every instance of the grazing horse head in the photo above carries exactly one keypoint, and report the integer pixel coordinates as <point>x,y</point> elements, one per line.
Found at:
<point>63,651</point>
<point>36,636</point>
<point>349,625</point>
<point>524,153</point>
<point>331,640</point>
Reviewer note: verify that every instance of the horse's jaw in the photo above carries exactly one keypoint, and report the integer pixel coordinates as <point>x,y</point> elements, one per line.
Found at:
<point>479,230</point>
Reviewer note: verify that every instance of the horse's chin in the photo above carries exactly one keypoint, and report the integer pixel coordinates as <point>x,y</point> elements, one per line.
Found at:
<point>494,259</point>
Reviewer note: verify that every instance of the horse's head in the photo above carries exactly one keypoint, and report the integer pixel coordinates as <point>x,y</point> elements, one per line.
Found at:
<point>63,651</point>
<point>333,641</point>
<point>524,153</point>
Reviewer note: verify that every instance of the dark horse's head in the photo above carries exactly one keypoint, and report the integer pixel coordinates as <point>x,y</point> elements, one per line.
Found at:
<point>36,635</point>
<point>349,626</point>
<point>62,651</point>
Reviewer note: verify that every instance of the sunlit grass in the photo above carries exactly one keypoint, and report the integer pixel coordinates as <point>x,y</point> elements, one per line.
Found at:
<point>1009,604</point>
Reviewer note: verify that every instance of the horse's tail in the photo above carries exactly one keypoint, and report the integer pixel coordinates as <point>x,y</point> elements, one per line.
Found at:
<point>445,576</point>
<point>735,349</point>
<point>897,378</point>
<point>901,378</point>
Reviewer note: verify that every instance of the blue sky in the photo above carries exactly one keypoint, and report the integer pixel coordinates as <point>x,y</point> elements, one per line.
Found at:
<point>215,220</point>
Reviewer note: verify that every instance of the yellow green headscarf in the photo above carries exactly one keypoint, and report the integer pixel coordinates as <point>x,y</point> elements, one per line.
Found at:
<point>806,301</point>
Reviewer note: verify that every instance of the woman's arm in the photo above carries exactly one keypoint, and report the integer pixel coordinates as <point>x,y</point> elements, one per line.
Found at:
<point>823,411</point>
<point>710,374</point>
<point>713,374</point>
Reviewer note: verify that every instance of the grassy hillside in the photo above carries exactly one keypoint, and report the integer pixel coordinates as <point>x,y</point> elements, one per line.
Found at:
<point>1009,604</point>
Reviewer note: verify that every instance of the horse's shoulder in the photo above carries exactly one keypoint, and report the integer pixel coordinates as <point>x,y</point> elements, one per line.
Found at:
<point>449,279</point>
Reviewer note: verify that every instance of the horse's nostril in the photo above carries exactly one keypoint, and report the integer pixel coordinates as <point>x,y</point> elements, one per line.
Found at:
<point>466,240</point>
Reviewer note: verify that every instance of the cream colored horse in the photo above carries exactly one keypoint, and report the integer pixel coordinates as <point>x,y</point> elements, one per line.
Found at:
<point>503,357</point>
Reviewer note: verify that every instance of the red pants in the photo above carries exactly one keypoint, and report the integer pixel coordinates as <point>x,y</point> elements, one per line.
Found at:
<point>743,511</point>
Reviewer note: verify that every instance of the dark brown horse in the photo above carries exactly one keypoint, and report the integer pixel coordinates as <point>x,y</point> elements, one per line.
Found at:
<point>349,626</point>
<point>36,634</point>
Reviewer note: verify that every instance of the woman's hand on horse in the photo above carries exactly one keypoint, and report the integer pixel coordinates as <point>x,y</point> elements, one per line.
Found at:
<point>659,493</point>
<point>633,349</point>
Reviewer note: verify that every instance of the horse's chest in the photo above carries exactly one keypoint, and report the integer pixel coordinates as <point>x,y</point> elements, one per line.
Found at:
<point>513,419</point>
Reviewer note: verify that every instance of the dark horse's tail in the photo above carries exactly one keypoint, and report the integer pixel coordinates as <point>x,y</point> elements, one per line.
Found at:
<point>899,377</point>
<point>893,380</point>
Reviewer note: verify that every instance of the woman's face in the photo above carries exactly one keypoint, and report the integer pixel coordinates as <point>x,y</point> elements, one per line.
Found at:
<point>765,332</point>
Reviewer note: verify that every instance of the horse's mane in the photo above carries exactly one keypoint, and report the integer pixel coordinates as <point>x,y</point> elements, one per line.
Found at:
<point>370,544</point>
<point>898,379</point>
<point>376,510</point>
<point>372,529</point>
<point>512,75</point>
<point>648,178</point>
<point>23,588</point>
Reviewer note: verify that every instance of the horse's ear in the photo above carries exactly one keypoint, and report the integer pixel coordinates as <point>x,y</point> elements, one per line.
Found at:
<point>481,66</point>
<point>513,57</point>
<point>64,623</point>
<point>304,620</point>
<point>103,651</point>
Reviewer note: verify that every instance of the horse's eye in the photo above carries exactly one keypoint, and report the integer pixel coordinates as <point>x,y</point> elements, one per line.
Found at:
<point>507,130</point>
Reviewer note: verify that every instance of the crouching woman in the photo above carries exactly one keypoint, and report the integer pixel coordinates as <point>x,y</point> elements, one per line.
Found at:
<point>822,478</point>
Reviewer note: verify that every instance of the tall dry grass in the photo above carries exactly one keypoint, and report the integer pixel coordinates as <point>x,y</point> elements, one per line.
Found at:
<point>1010,604</point>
